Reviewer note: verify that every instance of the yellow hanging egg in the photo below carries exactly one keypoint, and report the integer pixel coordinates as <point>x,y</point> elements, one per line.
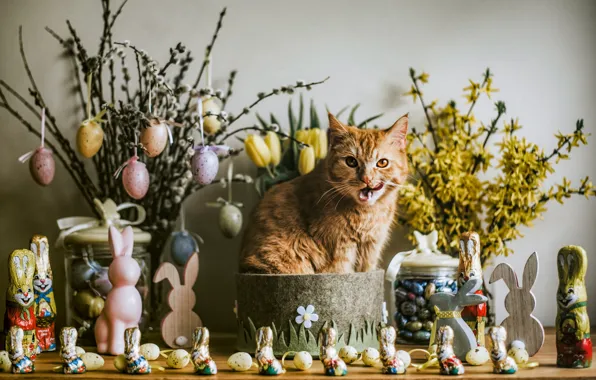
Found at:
<point>306,161</point>
<point>211,124</point>
<point>89,138</point>
<point>154,138</point>
<point>272,141</point>
<point>257,150</point>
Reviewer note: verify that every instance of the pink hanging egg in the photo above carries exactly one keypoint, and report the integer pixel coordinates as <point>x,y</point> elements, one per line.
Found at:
<point>42,166</point>
<point>154,138</point>
<point>135,178</point>
<point>204,165</point>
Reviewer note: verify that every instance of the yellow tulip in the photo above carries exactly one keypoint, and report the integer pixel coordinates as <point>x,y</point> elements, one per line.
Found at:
<point>257,150</point>
<point>272,141</point>
<point>302,136</point>
<point>306,162</point>
<point>318,140</point>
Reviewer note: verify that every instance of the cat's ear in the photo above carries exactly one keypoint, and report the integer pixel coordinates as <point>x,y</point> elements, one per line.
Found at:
<point>398,131</point>
<point>336,129</point>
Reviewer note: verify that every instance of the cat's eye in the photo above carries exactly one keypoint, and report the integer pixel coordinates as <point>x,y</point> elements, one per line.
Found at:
<point>351,162</point>
<point>382,163</point>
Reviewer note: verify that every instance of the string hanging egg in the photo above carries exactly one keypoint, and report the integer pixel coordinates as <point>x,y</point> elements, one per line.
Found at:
<point>183,243</point>
<point>230,216</point>
<point>41,160</point>
<point>135,176</point>
<point>90,134</point>
<point>154,138</point>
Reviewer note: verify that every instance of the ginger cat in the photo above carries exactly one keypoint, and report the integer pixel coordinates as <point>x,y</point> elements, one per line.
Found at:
<point>337,218</point>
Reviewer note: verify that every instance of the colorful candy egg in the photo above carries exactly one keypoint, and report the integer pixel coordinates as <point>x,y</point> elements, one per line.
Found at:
<point>204,165</point>
<point>178,359</point>
<point>520,355</point>
<point>120,362</point>
<point>155,138</point>
<point>135,178</point>
<point>89,138</point>
<point>92,361</point>
<point>302,360</point>
<point>404,357</point>
<point>150,351</point>
<point>5,364</point>
<point>211,124</point>
<point>230,220</point>
<point>183,245</point>
<point>240,361</point>
<point>349,354</point>
<point>477,356</point>
<point>370,356</point>
<point>42,166</point>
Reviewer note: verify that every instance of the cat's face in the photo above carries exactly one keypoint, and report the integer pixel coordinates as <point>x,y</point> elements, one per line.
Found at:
<point>366,164</point>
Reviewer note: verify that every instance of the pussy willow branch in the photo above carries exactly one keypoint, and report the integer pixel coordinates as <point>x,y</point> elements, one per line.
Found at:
<point>260,129</point>
<point>229,92</point>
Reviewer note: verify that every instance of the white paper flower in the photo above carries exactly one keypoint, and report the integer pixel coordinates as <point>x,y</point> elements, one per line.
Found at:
<point>385,313</point>
<point>306,316</point>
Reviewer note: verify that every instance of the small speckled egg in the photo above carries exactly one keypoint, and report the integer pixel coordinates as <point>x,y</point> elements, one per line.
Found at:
<point>79,350</point>
<point>178,359</point>
<point>135,179</point>
<point>477,356</point>
<point>240,362</point>
<point>230,220</point>
<point>404,357</point>
<point>89,138</point>
<point>120,362</point>
<point>92,361</point>
<point>5,364</point>
<point>150,351</point>
<point>211,124</point>
<point>204,165</point>
<point>518,344</point>
<point>348,354</point>
<point>370,356</point>
<point>303,360</point>
<point>181,341</point>
<point>154,138</point>
<point>42,166</point>
<point>520,355</point>
<point>183,245</point>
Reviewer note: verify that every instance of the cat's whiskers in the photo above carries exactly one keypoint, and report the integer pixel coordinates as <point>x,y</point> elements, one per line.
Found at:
<point>340,190</point>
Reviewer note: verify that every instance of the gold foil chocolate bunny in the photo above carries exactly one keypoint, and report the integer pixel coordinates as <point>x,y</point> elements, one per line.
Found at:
<point>449,363</point>
<point>201,358</point>
<point>45,306</point>
<point>268,364</point>
<point>21,363</point>
<point>135,362</point>
<point>392,364</point>
<point>502,363</point>
<point>71,362</point>
<point>333,364</point>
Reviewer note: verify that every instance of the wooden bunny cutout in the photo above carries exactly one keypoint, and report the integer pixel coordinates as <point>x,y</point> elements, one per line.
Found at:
<point>449,363</point>
<point>332,363</point>
<point>20,304</point>
<point>502,364</point>
<point>519,303</point>
<point>136,364</point>
<point>71,362</point>
<point>392,364</point>
<point>448,309</point>
<point>574,345</point>
<point>201,358</point>
<point>21,363</point>
<point>268,364</point>
<point>45,305</point>
<point>123,304</point>
<point>178,326</point>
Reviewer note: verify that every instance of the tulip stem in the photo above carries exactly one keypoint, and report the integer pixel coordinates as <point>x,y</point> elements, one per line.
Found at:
<point>269,171</point>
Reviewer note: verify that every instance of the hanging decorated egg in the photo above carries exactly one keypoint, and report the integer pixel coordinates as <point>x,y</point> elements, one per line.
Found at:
<point>183,245</point>
<point>89,138</point>
<point>42,166</point>
<point>204,165</point>
<point>155,137</point>
<point>230,220</point>
<point>211,124</point>
<point>135,178</point>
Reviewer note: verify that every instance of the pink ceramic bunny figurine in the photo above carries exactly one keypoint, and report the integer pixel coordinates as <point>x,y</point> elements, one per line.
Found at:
<point>123,305</point>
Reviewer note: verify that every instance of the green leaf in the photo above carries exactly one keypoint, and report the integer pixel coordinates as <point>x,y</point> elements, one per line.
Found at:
<point>274,120</point>
<point>341,111</point>
<point>240,139</point>
<point>351,120</point>
<point>262,121</point>
<point>301,114</point>
<point>314,118</point>
<point>370,119</point>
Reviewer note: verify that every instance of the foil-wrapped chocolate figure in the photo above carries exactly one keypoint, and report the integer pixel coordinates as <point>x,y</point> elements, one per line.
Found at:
<point>449,363</point>
<point>45,305</point>
<point>71,362</point>
<point>21,363</point>
<point>502,364</point>
<point>392,364</point>
<point>268,364</point>
<point>201,358</point>
<point>332,363</point>
<point>135,362</point>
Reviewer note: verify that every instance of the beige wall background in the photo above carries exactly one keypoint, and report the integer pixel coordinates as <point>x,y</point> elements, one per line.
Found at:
<point>542,54</point>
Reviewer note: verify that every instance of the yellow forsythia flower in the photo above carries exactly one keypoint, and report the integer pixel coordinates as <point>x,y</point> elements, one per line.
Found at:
<point>318,140</point>
<point>272,141</point>
<point>257,150</point>
<point>306,162</point>
<point>302,136</point>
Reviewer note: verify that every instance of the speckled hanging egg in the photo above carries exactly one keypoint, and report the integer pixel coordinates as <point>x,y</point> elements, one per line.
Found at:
<point>89,138</point>
<point>183,245</point>
<point>230,220</point>
<point>154,138</point>
<point>349,354</point>
<point>135,178</point>
<point>42,166</point>
<point>204,165</point>
<point>211,124</point>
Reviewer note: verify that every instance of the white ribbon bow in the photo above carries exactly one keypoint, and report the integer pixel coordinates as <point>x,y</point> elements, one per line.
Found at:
<point>425,244</point>
<point>110,216</point>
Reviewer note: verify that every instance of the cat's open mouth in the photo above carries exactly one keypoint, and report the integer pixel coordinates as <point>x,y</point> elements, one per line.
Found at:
<point>370,193</point>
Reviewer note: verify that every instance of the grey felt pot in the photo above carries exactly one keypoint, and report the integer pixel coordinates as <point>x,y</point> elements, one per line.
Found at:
<point>352,303</point>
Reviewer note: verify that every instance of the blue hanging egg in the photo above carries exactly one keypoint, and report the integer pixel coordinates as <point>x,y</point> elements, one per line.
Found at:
<point>183,245</point>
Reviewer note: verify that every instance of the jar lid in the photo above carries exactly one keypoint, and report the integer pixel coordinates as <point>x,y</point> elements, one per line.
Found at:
<point>89,230</point>
<point>426,255</point>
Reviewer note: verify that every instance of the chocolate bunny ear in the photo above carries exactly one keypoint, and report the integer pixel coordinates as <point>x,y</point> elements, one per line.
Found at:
<point>530,271</point>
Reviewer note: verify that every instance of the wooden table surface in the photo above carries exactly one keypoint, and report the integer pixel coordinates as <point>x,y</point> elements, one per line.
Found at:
<point>222,348</point>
